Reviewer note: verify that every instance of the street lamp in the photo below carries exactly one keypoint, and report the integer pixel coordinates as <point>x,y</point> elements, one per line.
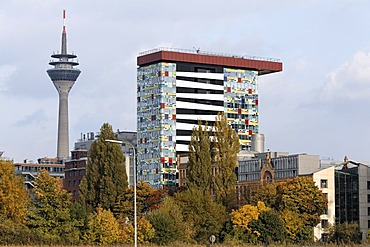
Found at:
<point>135,213</point>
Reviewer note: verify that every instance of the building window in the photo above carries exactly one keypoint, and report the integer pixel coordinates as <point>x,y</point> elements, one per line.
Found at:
<point>368,198</point>
<point>368,211</point>
<point>324,183</point>
<point>324,223</point>
<point>368,185</point>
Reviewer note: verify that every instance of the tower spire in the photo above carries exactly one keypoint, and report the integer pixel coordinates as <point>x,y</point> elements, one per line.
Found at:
<point>64,35</point>
<point>64,74</point>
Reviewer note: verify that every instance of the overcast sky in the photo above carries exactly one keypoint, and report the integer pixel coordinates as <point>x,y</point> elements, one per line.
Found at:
<point>319,104</point>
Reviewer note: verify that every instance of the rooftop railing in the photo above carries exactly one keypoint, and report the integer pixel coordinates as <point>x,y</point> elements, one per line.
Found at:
<point>198,51</point>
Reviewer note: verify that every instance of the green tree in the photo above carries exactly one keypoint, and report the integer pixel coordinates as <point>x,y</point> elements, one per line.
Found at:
<point>345,233</point>
<point>106,178</point>
<point>201,213</point>
<point>13,196</point>
<point>168,222</point>
<point>49,214</point>
<point>102,227</point>
<point>269,226</point>
<point>199,167</point>
<point>226,147</point>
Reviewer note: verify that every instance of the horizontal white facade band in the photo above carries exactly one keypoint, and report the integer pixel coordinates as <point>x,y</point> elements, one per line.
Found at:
<point>187,105</point>
<point>183,138</point>
<point>196,117</point>
<point>193,84</point>
<point>182,147</point>
<point>185,126</point>
<point>212,76</point>
<point>219,97</point>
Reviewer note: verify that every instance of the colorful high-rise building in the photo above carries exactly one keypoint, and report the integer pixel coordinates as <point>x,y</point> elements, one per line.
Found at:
<point>176,88</point>
<point>63,76</point>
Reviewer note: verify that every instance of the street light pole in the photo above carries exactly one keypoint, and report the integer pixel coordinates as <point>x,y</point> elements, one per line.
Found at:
<point>135,212</point>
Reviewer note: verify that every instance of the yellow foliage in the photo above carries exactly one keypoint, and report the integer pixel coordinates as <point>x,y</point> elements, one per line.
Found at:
<point>13,196</point>
<point>293,222</point>
<point>247,213</point>
<point>145,231</point>
<point>244,215</point>
<point>103,228</point>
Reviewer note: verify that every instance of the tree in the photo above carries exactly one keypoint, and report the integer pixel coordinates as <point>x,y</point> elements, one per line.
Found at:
<point>301,195</point>
<point>13,196</point>
<point>49,214</point>
<point>106,178</point>
<point>102,227</point>
<point>226,147</point>
<point>247,213</point>
<point>145,230</point>
<point>265,194</point>
<point>147,199</point>
<point>168,222</point>
<point>204,216</point>
<point>199,167</point>
<point>345,233</point>
<point>270,227</point>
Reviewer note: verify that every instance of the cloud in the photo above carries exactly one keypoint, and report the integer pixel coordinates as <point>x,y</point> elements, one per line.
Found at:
<point>350,81</point>
<point>6,71</point>
<point>38,117</point>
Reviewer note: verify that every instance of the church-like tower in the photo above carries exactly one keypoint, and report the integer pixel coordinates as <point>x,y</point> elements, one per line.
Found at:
<point>63,76</point>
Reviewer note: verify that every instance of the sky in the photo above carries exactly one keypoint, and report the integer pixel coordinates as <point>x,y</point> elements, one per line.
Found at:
<point>319,103</point>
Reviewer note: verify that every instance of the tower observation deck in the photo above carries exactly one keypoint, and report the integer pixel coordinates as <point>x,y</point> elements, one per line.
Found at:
<point>63,76</point>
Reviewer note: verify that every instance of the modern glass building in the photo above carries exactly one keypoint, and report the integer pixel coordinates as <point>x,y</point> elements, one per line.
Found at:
<point>176,88</point>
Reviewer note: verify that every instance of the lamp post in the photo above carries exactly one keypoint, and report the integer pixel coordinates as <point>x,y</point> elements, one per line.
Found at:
<point>135,213</point>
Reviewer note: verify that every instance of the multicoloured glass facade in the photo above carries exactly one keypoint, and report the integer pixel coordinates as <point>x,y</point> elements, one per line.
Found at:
<point>156,118</point>
<point>241,103</point>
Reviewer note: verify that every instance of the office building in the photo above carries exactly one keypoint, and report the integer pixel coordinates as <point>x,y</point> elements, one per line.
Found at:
<point>347,187</point>
<point>176,88</point>
<point>63,76</point>
<point>30,170</point>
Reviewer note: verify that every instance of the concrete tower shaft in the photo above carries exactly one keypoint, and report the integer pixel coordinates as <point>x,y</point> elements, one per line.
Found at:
<point>63,76</point>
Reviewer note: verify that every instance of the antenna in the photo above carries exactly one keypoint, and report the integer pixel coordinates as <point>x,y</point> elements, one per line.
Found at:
<point>197,49</point>
<point>64,20</point>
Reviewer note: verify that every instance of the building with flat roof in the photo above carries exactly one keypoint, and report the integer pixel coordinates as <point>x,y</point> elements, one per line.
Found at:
<point>176,88</point>
<point>30,170</point>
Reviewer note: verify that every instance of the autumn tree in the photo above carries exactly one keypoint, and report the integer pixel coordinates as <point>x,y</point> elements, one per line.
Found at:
<point>102,227</point>
<point>147,199</point>
<point>226,148</point>
<point>301,195</point>
<point>266,194</point>
<point>49,213</point>
<point>199,167</point>
<point>300,203</point>
<point>13,196</point>
<point>106,178</point>
<point>145,230</point>
<point>247,213</point>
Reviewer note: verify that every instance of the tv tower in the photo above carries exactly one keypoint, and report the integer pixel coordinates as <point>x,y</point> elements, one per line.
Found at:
<point>63,76</point>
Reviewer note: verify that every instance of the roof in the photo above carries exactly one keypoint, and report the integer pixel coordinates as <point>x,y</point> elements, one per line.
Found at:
<point>262,65</point>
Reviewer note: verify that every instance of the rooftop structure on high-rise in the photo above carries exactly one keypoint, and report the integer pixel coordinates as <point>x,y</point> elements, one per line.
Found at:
<point>63,76</point>
<point>176,88</point>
